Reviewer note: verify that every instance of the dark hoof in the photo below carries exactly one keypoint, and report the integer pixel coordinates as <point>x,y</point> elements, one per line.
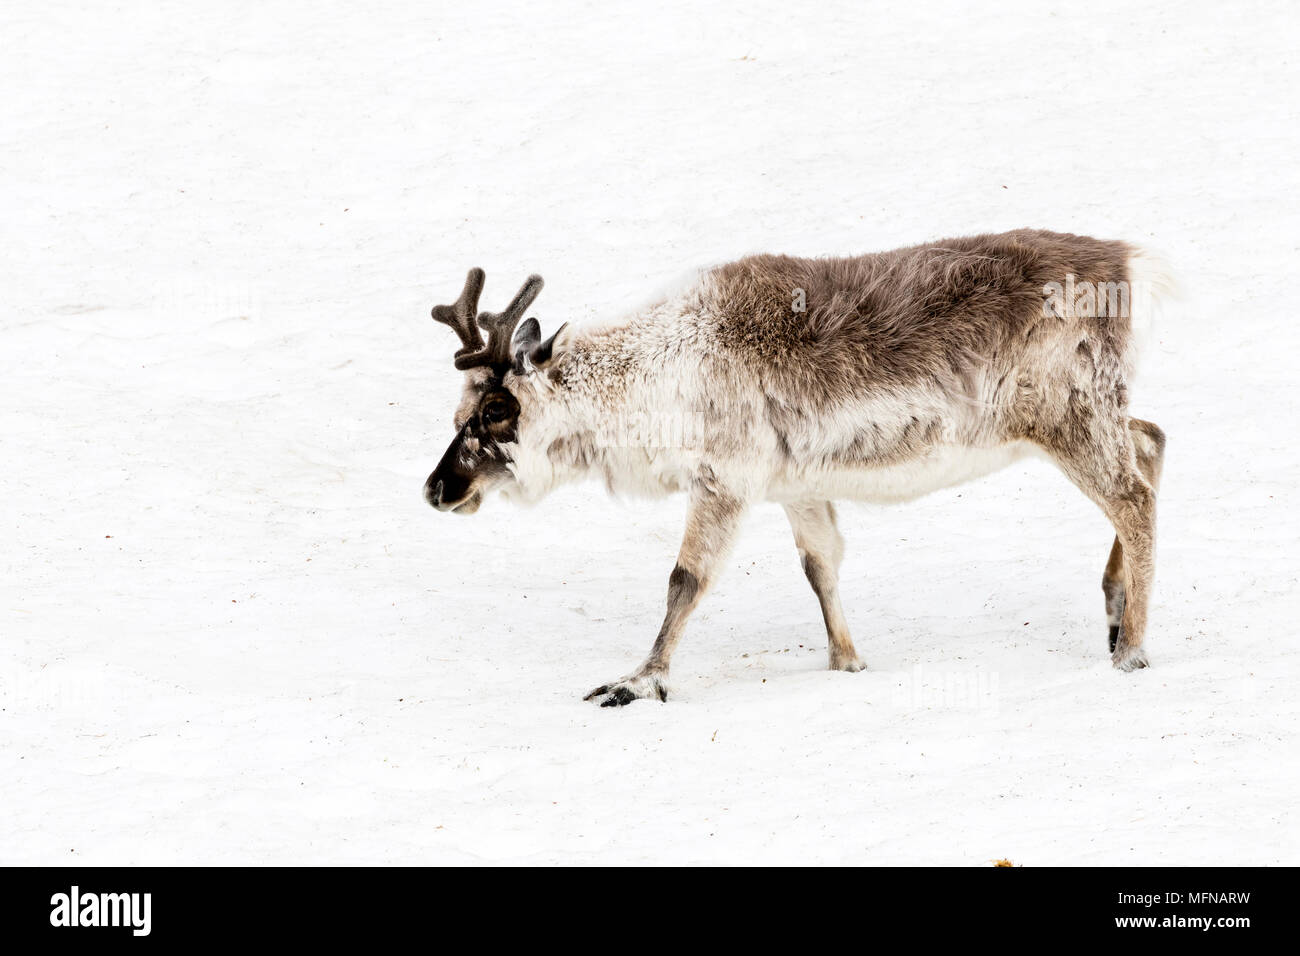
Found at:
<point>623,692</point>
<point>618,697</point>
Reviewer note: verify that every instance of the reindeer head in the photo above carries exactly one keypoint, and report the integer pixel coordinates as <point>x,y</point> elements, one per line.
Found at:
<point>488,419</point>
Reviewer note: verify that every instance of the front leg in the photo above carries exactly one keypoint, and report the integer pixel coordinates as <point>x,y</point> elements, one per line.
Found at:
<point>711,525</point>
<point>821,548</point>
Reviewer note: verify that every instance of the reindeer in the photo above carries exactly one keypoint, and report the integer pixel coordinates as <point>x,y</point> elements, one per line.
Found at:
<point>803,381</point>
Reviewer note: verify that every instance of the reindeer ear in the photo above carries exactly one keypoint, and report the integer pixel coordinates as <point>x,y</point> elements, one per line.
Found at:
<point>527,336</point>
<point>528,345</point>
<point>543,352</point>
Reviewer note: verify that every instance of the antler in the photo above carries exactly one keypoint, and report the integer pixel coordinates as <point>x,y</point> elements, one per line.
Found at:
<point>500,325</point>
<point>460,316</point>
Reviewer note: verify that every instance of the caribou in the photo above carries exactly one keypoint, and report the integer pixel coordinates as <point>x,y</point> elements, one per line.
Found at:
<point>806,381</point>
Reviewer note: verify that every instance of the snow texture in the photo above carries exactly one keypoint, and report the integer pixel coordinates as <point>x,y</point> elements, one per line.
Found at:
<point>233,631</point>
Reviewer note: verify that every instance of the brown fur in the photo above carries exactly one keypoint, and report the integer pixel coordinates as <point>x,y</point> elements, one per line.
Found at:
<point>926,312</point>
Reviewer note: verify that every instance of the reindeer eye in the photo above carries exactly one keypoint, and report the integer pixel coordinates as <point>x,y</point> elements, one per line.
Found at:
<point>496,411</point>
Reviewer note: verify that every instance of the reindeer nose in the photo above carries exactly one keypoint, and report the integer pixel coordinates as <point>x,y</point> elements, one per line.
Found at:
<point>433,494</point>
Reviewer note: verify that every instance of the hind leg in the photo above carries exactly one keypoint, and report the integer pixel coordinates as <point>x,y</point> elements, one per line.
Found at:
<point>1149,450</point>
<point>1096,448</point>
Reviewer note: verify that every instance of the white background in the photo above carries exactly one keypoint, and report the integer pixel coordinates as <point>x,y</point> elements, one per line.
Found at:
<point>232,631</point>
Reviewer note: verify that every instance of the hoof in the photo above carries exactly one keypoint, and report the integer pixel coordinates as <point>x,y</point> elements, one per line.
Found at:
<point>1128,658</point>
<point>849,665</point>
<point>623,692</point>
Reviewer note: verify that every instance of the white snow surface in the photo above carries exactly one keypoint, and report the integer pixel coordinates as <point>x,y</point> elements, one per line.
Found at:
<point>233,631</point>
